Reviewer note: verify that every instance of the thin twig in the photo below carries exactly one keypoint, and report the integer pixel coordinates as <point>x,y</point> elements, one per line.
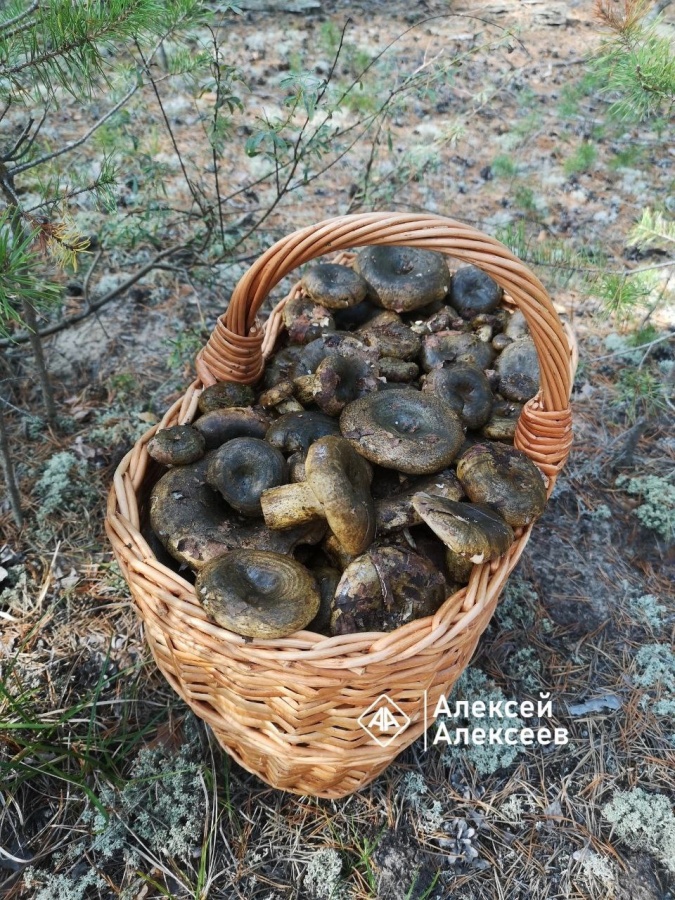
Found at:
<point>23,337</point>
<point>78,143</point>
<point>22,137</point>
<point>34,135</point>
<point>172,136</point>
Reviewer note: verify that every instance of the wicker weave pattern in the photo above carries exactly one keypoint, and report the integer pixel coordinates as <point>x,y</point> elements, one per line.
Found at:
<point>287,710</point>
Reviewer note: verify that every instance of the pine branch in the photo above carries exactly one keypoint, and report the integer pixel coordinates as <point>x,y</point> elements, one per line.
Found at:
<point>16,19</point>
<point>24,337</point>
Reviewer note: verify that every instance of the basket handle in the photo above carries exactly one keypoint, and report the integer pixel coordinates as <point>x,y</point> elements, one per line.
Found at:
<point>234,350</point>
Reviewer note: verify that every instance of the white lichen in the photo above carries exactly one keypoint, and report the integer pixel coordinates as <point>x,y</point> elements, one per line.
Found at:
<point>644,821</point>
<point>322,876</point>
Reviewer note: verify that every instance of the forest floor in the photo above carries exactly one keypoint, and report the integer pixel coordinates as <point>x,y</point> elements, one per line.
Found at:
<point>110,786</point>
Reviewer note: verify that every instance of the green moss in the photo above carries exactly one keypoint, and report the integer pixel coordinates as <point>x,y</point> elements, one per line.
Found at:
<point>644,821</point>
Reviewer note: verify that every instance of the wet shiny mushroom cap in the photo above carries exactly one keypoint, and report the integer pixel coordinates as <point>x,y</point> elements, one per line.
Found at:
<point>334,286</point>
<point>402,429</point>
<point>177,446</point>
<point>258,594</point>
<point>389,336</point>
<point>223,425</point>
<point>288,363</point>
<point>404,278</point>
<point>224,394</point>
<point>447,347</point>
<point>340,479</point>
<point>397,511</point>
<point>195,525</point>
<point>294,432</point>
<point>242,469</point>
<point>474,532</point>
<point>384,589</point>
<point>474,291</point>
<point>518,370</point>
<point>505,479</point>
<point>341,378</point>
<point>305,320</point>
<point>465,388</point>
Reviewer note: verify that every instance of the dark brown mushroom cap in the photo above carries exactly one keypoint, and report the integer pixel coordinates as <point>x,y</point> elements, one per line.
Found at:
<point>224,394</point>
<point>404,278</point>
<point>177,446</point>
<point>518,369</point>
<point>327,579</point>
<point>447,347</point>
<point>500,428</point>
<point>445,319</point>
<point>338,342</point>
<point>342,377</point>
<point>354,316</point>
<point>503,421</point>
<point>288,363</point>
<point>397,371</point>
<point>340,480</point>
<point>397,511</point>
<point>195,525</point>
<point>474,532</point>
<point>258,594</point>
<point>465,388</point>
<point>388,336</point>
<point>294,432</point>
<point>474,291</point>
<point>223,425</point>
<point>385,588</point>
<point>402,429</point>
<point>504,478</point>
<point>305,320</point>
<point>242,469</point>
<point>334,286</point>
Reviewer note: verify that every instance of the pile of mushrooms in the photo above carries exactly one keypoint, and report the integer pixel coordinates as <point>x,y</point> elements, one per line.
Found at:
<point>373,468</point>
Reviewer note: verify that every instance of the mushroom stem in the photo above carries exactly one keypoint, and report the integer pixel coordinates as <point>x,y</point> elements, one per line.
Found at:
<point>290,504</point>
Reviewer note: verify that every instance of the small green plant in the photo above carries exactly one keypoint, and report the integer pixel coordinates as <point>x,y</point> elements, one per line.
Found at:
<point>627,158</point>
<point>582,160</point>
<point>657,510</point>
<point>644,821</point>
<point>640,392</point>
<point>504,167</point>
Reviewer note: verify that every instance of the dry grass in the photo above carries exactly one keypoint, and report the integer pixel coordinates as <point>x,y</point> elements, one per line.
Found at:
<point>90,732</point>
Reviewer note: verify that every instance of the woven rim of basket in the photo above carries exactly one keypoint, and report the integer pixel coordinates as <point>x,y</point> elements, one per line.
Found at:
<point>236,351</point>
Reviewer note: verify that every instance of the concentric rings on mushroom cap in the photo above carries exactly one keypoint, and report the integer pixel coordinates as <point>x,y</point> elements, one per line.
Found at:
<point>402,429</point>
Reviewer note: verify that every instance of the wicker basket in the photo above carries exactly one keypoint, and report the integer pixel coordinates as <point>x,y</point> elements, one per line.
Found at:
<point>287,710</point>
